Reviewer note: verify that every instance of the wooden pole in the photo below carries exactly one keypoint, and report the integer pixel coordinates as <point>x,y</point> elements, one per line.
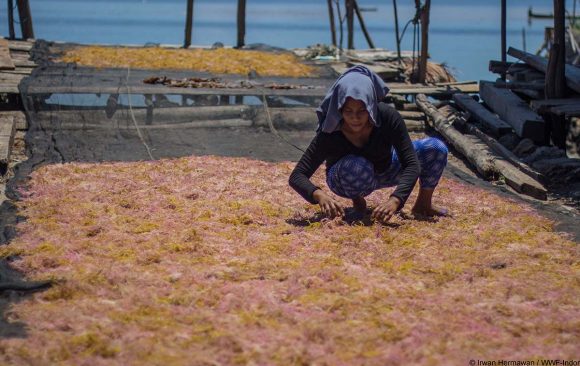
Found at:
<point>332,27</point>
<point>25,19</point>
<point>503,33</point>
<point>188,24</point>
<point>362,24</point>
<point>241,23</point>
<point>424,41</point>
<point>397,30</point>
<point>559,38</point>
<point>350,23</point>
<point>11,19</point>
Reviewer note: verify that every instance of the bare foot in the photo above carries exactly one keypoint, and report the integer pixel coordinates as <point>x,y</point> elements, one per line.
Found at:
<point>430,211</point>
<point>359,204</point>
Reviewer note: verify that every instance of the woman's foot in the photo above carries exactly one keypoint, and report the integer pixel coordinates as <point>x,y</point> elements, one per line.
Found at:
<point>359,204</point>
<point>424,207</point>
<point>430,211</point>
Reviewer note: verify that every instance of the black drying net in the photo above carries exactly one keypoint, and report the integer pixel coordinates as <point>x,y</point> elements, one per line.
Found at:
<point>87,114</point>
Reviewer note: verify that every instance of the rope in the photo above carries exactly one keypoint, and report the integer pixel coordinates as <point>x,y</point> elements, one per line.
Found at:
<point>133,115</point>
<point>271,125</point>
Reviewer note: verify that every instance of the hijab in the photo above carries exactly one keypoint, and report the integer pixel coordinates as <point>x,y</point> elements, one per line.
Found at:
<point>359,83</point>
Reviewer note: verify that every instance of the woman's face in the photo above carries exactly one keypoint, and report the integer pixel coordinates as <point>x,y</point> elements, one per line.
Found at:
<point>355,115</point>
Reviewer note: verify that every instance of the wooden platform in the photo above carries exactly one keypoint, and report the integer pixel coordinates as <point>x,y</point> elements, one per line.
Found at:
<point>14,64</point>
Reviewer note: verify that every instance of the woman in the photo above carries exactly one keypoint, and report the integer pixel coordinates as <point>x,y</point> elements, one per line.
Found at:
<point>366,146</point>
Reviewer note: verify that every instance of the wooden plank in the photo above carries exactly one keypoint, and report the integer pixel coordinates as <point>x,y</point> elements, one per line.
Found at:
<point>19,47</point>
<point>571,110</point>
<point>7,131</point>
<point>513,110</point>
<point>572,73</point>
<point>542,105</point>
<point>6,62</point>
<point>481,114</point>
<point>19,119</point>
<point>9,89</point>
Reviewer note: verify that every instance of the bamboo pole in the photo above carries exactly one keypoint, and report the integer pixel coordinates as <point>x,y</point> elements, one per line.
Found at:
<point>241,23</point>
<point>397,30</point>
<point>25,19</point>
<point>362,24</point>
<point>424,41</point>
<point>188,24</point>
<point>350,23</point>
<point>332,26</point>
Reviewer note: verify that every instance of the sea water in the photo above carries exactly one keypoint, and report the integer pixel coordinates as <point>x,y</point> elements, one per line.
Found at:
<point>464,34</point>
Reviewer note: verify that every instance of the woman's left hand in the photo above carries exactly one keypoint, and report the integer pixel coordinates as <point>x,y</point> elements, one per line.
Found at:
<point>385,211</point>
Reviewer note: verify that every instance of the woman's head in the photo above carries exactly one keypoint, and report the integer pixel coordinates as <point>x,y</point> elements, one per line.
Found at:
<point>358,84</point>
<point>355,115</point>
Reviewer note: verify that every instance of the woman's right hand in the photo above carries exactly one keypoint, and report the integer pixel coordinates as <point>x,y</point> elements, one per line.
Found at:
<point>328,205</point>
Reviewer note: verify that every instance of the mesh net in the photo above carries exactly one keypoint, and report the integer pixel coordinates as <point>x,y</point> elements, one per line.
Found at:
<point>91,114</point>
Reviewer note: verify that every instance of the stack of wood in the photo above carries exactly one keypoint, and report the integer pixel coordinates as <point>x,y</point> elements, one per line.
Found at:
<point>513,135</point>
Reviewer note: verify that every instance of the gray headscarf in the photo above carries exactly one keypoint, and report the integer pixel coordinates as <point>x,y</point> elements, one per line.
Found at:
<point>359,83</point>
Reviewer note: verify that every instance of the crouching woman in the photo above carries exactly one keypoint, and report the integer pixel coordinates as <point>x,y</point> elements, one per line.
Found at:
<point>366,147</point>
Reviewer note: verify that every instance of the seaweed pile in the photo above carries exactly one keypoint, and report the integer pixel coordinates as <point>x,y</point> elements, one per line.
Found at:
<point>212,260</point>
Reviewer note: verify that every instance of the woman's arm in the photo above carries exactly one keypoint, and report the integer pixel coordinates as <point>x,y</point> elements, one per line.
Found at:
<point>410,167</point>
<point>308,164</point>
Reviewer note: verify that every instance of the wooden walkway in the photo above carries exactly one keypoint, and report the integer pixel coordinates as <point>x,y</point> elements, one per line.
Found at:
<point>14,66</point>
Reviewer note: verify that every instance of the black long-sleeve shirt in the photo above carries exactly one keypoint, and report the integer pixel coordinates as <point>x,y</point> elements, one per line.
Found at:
<point>331,147</point>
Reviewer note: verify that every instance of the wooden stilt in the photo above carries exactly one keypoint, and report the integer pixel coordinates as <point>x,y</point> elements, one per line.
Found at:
<point>332,27</point>
<point>11,19</point>
<point>25,19</point>
<point>241,23</point>
<point>188,24</point>
<point>350,23</point>
<point>397,30</point>
<point>424,41</point>
<point>503,33</point>
<point>362,25</point>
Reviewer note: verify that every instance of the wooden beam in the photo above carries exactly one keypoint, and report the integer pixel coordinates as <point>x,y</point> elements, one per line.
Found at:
<point>11,31</point>
<point>513,110</point>
<point>572,73</point>
<point>241,23</point>
<point>25,19</point>
<point>6,62</point>
<point>397,41</point>
<point>332,26</point>
<point>488,163</point>
<point>425,13</point>
<point>188,24</point>
<point>468,146</point>
<point>482,114</point>
<point>350,23</point>
<point>503,33</point>
<point>541,106</point>
<point>362,24</point>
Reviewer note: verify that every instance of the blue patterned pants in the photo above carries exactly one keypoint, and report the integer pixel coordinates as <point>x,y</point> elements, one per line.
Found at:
<point>354,176</point>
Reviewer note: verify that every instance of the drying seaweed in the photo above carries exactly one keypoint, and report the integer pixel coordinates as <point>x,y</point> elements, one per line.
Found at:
<point>207,260</point>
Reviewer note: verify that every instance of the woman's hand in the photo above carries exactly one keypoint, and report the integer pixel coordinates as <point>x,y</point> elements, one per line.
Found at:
<point>385,211</point>
<point>328,205</point>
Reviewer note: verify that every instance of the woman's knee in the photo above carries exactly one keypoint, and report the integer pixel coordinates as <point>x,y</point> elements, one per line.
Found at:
<point>432,149</point>
<point>351,177</point>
